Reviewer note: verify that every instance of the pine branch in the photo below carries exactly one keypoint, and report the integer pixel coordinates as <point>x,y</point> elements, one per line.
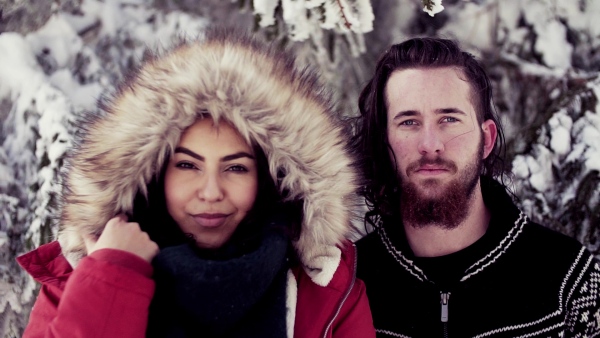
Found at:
<point>346,22</point>
<point>428,4</point>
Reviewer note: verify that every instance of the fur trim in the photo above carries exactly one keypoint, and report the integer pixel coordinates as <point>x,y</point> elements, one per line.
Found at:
<point>321,268</point>
<point>290,303</point>
<point>256,88</point>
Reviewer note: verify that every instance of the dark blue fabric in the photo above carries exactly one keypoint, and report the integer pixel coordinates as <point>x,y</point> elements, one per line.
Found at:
<point>238,297</point>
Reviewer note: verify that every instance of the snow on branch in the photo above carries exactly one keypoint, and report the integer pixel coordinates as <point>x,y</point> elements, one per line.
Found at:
<point>432,7</point>
<point>303,18</point>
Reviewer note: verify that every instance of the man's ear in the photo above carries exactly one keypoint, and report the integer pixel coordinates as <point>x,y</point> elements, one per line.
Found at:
<point>490,132</point>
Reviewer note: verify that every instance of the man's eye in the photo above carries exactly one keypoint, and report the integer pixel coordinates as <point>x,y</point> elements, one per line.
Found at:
<point>449,119</point>
<point>408,123</point>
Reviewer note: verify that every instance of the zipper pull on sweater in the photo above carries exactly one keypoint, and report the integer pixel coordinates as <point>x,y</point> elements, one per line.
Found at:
<point>445,297</point>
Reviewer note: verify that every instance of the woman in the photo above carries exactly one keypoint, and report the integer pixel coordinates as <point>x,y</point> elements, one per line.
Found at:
<point>211,198</point>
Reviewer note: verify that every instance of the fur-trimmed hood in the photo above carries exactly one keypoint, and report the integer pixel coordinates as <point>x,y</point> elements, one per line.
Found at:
<point>260,91</point>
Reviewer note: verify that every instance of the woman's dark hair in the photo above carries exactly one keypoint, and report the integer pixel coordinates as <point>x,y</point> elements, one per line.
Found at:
<point>269,213</point>
<point>381,188</point>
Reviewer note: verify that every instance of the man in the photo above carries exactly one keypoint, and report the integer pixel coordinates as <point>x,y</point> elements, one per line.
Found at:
<point>451,255</point>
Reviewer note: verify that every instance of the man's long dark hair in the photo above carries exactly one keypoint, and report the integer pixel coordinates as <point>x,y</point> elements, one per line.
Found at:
<point>381,187</point>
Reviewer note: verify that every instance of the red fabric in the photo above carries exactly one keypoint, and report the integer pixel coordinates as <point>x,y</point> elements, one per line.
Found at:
<point>109,293</point>
<point>100,298</point>
<point>317,306</point>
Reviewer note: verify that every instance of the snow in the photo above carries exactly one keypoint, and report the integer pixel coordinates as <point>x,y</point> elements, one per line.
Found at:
<point>294,15</point>
<point>552,44</point>
<point>537,170</point>
<point>265,9</point>
<point>560,141</point>
<point>473,24</point>
<point>589,137</point>
<point>304,18</point>
<point>50,76</point>
<point>112,17</point>
<point>19,69</point>
<point>541,178</point>
<point>579,19</point>
<point>56,40</point>
<point>436,7</point>
<point>82,96</point>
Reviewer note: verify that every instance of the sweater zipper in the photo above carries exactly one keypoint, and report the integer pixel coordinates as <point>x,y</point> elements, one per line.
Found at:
<point>445,296</point>
<point>339,308</point>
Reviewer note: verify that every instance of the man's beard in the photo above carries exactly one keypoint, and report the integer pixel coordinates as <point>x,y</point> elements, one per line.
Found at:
<point>451,206</point>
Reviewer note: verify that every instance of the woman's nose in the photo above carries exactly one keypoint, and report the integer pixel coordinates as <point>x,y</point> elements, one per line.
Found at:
<point>210,189</point>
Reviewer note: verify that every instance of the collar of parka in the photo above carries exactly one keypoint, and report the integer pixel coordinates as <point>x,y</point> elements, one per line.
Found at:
<point>271,101</point>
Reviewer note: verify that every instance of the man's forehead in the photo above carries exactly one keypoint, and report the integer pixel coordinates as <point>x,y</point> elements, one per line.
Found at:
<point>415,73</point>
<point>412,85</point>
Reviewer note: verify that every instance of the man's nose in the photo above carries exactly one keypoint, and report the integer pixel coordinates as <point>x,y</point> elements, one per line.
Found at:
<point>430,141</point>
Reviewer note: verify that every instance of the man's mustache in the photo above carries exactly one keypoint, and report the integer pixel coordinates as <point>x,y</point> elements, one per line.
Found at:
<point>436,162</point>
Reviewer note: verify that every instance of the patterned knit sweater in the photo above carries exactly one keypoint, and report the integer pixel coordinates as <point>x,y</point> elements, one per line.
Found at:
<point>519,280</point>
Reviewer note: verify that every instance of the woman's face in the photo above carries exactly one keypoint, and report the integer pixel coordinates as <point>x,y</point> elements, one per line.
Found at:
<point>211,182</point>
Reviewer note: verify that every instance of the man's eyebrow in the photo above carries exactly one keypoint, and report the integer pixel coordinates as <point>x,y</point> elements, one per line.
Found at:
<point>405,113</point>
<point>231,157</point>
<point>449,111</point>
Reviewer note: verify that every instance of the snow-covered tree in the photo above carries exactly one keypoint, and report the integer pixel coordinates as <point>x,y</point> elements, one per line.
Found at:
<point>57,57</point>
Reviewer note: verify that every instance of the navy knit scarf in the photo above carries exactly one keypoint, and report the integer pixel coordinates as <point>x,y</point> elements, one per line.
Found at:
<point>240,297</point>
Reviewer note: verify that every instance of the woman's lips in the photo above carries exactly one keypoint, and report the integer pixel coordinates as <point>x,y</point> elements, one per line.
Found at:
<point>210,220</point>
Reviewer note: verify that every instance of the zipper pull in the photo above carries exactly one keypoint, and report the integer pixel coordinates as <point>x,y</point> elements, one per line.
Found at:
<point>445,297</point>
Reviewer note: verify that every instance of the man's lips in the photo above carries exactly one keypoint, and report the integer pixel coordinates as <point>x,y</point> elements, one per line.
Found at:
<point>436,167</point>
<point>210,220</point>
<point>430,172</point>
<point>431,167</point>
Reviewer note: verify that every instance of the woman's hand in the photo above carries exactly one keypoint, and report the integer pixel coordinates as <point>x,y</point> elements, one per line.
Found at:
<point>122,235</point>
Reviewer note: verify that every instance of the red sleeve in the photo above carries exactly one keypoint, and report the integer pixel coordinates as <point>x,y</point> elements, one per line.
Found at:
<point>355,320</point>
<point>107,295</point>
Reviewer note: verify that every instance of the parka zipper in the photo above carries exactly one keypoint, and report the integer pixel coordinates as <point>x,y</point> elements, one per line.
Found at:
<point>445,297</point>
<point>339,308</point>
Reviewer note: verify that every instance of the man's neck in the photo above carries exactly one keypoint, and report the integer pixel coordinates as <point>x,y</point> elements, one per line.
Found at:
<point>433,240</point>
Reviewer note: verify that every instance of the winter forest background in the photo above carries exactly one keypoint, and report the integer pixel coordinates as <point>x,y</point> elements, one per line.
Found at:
<point>58,56</point>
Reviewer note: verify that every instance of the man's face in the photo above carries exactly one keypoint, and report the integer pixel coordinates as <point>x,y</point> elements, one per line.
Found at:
<point>437,143</point>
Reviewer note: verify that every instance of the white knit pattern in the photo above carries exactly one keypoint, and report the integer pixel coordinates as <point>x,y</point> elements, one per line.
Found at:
<point>578,323</point>
<point>583,309</point>
<point>399,257</point>
<point>499,250</point>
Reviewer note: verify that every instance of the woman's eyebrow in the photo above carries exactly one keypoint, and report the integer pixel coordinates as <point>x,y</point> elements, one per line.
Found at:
<point>237,155</point>
<point>199,157</point>
<point>186,151</point>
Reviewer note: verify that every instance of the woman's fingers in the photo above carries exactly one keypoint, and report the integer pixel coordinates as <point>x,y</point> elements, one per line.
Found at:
<point>127,236</point>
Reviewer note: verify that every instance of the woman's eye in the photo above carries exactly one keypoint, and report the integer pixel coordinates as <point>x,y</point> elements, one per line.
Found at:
<point>185,165</point>
<point>408,123</point>
<point>237,168</point>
